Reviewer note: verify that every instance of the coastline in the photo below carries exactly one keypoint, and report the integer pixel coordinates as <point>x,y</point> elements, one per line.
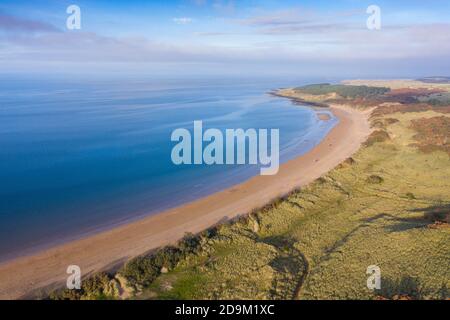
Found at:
<point>107,249</point>
<point>128,181</point>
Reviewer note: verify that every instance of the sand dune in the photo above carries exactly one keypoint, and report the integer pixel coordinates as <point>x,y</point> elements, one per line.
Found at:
<point>24,275</point>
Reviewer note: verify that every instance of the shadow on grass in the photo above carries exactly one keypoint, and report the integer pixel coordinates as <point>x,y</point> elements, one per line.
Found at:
<point>279,241</point>
<point>408,287</point>
<point>400,224</point>
<point>290,265</point>
<point>431,215</point>
<point>438,213</point>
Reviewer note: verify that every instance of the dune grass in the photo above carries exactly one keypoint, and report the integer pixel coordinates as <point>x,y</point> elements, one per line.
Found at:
<point>346,91</point>
<point>388,205</point>
<point>318,242</point>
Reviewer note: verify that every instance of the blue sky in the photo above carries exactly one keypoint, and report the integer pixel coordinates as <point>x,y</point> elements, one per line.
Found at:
<point>227,37</point>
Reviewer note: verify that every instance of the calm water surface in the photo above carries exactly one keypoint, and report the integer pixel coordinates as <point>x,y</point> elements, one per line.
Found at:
<point>78,157</point>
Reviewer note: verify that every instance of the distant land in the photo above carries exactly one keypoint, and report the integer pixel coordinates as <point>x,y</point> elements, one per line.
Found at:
<point>435,79</point>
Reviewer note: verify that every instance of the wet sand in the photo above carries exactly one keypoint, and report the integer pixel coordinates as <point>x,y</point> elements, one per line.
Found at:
<point>20,277</point>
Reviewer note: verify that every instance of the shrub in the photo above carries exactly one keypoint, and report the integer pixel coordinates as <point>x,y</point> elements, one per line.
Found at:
<point>167,257</point>
<point>433,134</point>
<point>410,196</point>
<point>209,233</point>
<point>66,295</point>
<point>141,271</point>
<point>347,163</point>
<point>438,216</point>
<point>95,287</point>
<point>346,91</point>
<point>374,179</point>
<point>405,288</point>
<point>376,137</point>
<point>321,180</point>
<point>189,244</point>
<point>390,121</point>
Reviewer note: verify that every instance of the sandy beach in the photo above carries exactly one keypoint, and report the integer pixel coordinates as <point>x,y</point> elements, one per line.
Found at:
<point>20,277</point>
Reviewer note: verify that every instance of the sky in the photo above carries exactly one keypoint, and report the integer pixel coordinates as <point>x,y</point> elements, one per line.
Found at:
<point>226,37</point>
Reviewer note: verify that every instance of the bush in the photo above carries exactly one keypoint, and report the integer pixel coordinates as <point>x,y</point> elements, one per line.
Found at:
<point>189,244</point>
<point>376,137</point>
<point>410,196</point>
<point>95,287</point>
<point>349,162</point>
<point>438,216</point>
<point>374,179</point>
<point>321,180</point>
<point>346,91</point>
<point>390,121</point>
<point>141,271</point>
<point>66,295</point>
<point>167,257</point>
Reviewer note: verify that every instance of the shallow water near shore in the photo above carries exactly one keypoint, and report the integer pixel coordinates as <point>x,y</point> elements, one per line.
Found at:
<point>78,158</point>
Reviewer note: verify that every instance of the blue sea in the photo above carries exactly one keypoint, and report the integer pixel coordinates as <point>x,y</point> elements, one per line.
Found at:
<point>80,156</point>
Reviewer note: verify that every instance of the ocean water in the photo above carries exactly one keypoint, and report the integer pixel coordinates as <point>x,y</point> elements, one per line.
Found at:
<point>77,157</point>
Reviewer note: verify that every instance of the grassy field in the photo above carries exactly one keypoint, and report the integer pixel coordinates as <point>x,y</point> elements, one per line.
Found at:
<point>381,208</point>
<point>388,205</point>
<point>345,91</point>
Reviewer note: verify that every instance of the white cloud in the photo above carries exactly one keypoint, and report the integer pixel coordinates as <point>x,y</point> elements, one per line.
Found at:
<point>292,40</point>
<point>183,20</point>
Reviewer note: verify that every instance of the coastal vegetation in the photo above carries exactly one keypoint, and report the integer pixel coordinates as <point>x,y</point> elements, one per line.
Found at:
<point>388,205</point>
<point>435,79</point>
<point>345,91</point>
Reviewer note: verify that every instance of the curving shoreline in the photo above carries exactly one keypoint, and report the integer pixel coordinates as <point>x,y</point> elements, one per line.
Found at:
<point>106,249</point>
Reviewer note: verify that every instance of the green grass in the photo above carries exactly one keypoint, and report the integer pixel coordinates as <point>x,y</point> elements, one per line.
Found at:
<point>345,91</point>
<point>179,285</point>
<point>318,242</point>
<point>388,205</point>
<point>437,99</point>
